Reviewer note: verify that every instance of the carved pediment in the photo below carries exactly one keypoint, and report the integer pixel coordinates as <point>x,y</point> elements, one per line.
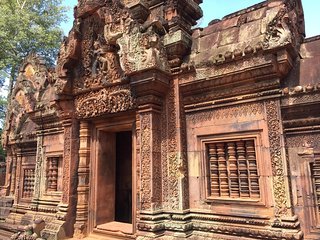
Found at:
<point>30,94</point>
<point>109,42</point>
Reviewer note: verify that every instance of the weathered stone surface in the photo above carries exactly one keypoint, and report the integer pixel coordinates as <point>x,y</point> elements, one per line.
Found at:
<point>148,129</point>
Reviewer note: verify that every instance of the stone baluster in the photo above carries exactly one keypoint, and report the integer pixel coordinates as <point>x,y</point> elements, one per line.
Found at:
<point>223,170</point>
<point>53,174</point>
<point>214,173</point>
<point>243,169</point>
<point>233,170</point>
<point>253,170</point>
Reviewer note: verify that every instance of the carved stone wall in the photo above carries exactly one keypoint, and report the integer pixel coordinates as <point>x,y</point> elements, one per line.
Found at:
<point>224,144</point>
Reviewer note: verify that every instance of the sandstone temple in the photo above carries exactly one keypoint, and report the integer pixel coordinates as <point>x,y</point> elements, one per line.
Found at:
<point>152,128</point>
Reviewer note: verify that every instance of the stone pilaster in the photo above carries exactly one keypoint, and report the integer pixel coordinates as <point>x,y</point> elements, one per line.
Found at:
<point>176,196</point>
<point>13,173</point>
<point>150,157</point>
<point>18,184</point>
<point>150,88</point>
<point>284,215</point>
<point>39,171</point>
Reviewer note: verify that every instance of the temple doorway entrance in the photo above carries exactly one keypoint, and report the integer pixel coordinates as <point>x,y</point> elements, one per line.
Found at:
<point>113,190</point>
<point>123,181</point>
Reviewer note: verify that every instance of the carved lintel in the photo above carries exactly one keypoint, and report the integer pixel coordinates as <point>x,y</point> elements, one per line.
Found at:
<point>107,100</point>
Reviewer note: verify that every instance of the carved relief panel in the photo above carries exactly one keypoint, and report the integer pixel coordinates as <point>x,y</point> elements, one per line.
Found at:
<point>107,100</point>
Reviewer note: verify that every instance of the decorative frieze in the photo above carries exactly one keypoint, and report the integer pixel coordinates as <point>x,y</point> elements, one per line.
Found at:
<point>303,140</point>
<point>229,112</point>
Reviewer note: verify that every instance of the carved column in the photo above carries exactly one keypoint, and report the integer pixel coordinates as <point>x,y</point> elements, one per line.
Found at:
<point>52,174</point>
<point>83,181</point>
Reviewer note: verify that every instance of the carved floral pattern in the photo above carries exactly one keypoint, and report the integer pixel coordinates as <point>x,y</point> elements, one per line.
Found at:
<point>274,129</point>
<point>145,161</point>
<point>66,161</point>
<point>173,161</point>
<point>244,110</point>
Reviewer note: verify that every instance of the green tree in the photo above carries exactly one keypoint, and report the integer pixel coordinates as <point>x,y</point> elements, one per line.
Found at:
<point>2,152</point>
<point>28,26</point>
<point>3,109</point>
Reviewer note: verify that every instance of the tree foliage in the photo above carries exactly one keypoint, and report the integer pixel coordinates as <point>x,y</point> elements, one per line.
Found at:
<point>3,109</point>
<point>28,26</point>
<point>2,152</point>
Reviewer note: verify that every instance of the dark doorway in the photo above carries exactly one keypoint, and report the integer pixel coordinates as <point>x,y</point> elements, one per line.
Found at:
<point>123,196</point>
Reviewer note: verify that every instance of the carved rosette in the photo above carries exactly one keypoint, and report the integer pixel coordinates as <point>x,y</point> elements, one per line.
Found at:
<point>107,100</point>
<point>278,172</point>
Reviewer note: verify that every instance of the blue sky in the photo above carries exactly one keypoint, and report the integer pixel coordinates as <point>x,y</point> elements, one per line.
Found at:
<point>216,9</point>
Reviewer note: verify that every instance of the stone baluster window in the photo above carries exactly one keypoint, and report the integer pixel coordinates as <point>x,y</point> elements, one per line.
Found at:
<point>233,171</point>
<point>52,174</point>
<point>315,170</point>
<point>28,183</point>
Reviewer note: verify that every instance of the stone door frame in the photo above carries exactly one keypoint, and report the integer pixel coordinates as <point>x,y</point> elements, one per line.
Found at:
<point>114,124</point>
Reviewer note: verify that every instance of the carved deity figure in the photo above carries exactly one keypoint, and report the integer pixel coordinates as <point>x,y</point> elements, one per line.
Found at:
<point>100,62</point>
